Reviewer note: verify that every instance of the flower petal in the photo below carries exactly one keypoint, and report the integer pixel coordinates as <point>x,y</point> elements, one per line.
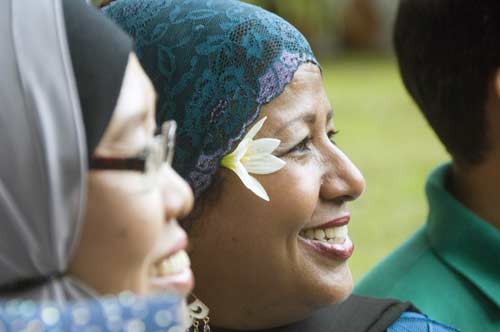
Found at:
<point>264,164</point>
<point>241,149</point>
<point>263,145</point>
<point>246,142</point>
<point>255,129</point>
<point>250,182</point>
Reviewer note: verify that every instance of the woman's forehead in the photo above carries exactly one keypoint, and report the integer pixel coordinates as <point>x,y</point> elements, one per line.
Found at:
<point>303,101</point>
<point>305,72</point>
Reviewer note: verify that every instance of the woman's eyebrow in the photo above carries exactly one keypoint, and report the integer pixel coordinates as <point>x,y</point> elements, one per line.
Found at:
<point>309,118</point>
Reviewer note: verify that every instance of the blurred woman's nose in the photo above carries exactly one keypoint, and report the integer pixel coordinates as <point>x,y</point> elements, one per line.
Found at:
<point>177,195</point>
<point>342,180</point>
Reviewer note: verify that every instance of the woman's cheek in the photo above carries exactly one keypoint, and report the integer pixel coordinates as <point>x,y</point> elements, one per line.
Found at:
<point>295,189</point>
<point>144,225</point>
<point>135,221</point>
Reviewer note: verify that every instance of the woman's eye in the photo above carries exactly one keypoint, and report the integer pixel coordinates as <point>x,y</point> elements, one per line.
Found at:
<point>301,147</point>
<point>331,136</point>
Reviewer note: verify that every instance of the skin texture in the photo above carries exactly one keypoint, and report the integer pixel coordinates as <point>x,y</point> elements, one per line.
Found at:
<point>252,270</point>
<point>130,222</point>
<point>478,186</point>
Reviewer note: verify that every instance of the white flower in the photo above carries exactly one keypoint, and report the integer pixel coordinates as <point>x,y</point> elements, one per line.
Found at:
<point>254,157</point>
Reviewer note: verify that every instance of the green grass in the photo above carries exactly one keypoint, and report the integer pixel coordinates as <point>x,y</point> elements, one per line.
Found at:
<point>384,134</point>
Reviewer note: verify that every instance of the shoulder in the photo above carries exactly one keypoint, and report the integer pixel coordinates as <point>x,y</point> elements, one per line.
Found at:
<point>355,314</point>
<point>410,321</point>
<point>413,272</point>
<point>407,267</point>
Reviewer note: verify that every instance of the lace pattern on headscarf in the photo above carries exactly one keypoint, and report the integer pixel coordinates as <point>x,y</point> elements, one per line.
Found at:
<point>214,64</point>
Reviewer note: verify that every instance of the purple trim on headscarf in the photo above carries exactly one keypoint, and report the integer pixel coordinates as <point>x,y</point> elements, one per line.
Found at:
<point>272,84</point>
<point>280,73</point>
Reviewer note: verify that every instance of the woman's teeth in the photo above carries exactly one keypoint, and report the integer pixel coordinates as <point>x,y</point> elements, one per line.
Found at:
<point>174,264</point>
<point>333,235</point>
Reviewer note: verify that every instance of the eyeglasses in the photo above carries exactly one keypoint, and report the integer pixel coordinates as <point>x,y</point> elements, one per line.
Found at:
<point>158,153</point>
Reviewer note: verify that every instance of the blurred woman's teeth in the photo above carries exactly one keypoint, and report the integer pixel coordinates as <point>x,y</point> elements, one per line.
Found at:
<point>319,234</point>
<point>332,235</point>
<point>176,263</point>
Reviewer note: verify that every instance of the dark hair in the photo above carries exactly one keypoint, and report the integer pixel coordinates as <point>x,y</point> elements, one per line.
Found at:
<point>448,52</point>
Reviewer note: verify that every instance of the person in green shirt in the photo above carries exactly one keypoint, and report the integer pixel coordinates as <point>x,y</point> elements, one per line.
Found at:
<point>449,58</point>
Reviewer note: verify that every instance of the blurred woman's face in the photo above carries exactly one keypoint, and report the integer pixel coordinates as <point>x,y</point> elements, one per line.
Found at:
<point>130,239</point>
<point>262,264</point>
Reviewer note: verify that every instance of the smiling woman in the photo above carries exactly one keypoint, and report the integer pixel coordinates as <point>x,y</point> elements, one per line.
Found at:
<point>129,232</point>
<point>73,225</point>
<point>243,246</point>
<point>269,240</point>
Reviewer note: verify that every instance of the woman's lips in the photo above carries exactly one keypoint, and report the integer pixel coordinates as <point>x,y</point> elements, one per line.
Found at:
<point>173,271</point>
<point>330,239</point>
<point>338,251</point>
<point>334,223</point>
<point>181,282</point>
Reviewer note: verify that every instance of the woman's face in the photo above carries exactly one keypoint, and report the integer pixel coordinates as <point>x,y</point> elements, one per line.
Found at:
<point>256,262</point>
<point>130,239</point>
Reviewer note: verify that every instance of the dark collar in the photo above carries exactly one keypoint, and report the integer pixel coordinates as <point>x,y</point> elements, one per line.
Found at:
<point>356,314</point>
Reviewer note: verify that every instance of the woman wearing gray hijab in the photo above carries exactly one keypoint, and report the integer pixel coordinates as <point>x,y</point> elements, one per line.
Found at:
<point>84,205</point>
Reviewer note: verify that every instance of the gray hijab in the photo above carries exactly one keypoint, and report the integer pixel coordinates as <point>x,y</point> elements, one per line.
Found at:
<point>43,153</point>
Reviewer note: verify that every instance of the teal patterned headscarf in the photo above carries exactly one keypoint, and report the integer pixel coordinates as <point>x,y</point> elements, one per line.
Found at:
<point>214,63</point>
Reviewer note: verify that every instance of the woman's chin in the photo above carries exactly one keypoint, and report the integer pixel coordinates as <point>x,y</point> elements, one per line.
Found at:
<point>341,284</point>
<point>333,287</point>
<point>343,293</point>
<point>328,280</point>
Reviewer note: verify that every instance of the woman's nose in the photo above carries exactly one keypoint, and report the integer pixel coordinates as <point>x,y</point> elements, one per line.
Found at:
<point>342,180</point>
<point>177,195</point>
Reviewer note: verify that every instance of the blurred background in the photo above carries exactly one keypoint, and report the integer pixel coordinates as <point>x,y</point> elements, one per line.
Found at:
<point>381,129</point>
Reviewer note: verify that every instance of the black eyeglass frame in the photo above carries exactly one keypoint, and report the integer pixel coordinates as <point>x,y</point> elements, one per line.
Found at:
<point>160,151</point>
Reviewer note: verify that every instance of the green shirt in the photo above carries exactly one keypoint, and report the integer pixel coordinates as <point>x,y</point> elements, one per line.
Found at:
<point>450,268</point>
